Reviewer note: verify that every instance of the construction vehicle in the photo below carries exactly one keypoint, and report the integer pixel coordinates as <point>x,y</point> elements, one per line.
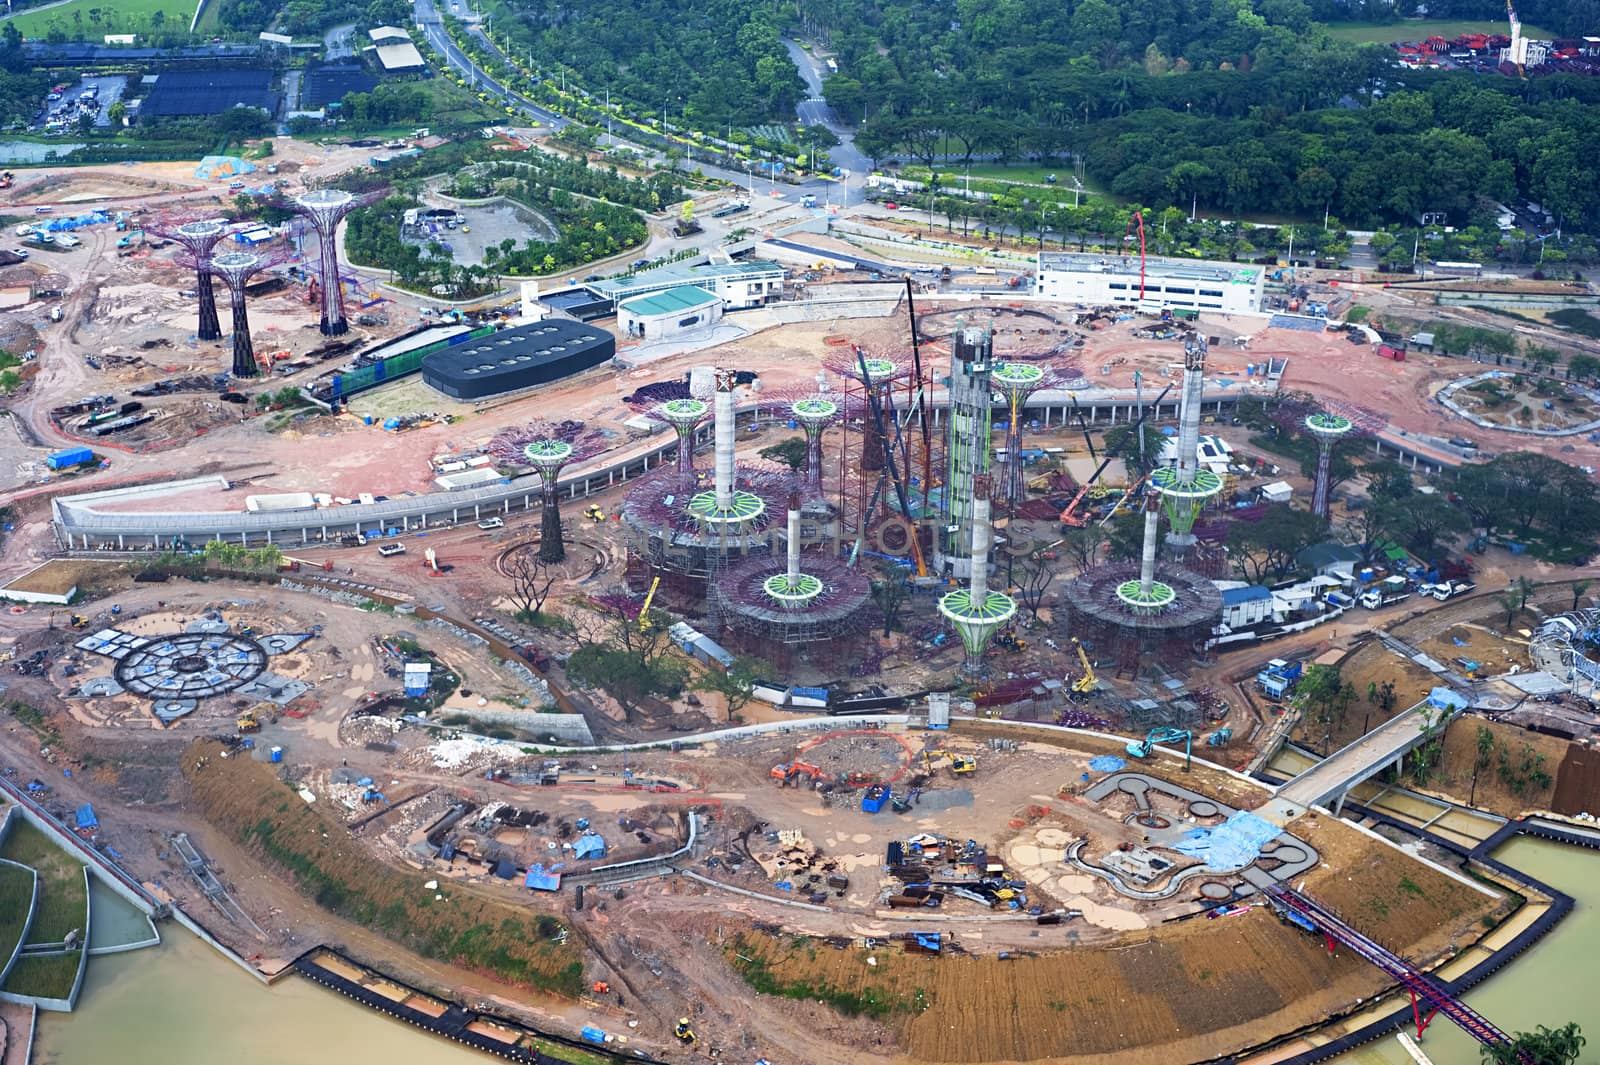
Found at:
<point>1088,682</point>
<point>6,179</point>
<point>1163,734</point>
<point>1389,590</point>
<point>644,611</point>
<point>790,772</point>
<point>683,1032</point>
<point>594,513</point>
<point>959,764</point>
<point>1219,738</point>
<point>1009,641</point>
<point>247,722</point>
<point>1278,678</point>
<point>79,621</point>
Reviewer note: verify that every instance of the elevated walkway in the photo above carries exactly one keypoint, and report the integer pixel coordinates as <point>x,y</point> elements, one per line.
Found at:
<point>1331,779</point>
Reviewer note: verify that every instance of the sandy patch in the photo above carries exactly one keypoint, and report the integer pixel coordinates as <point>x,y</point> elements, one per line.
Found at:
<point>1102,916</point>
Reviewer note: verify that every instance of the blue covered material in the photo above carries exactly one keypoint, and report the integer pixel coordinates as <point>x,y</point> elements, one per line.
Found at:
<point>593,1034</point>
<point>539,880</point>
<point>1233,844</point>
<point>86,817</point>
<point>1107,763</point>
<point>1447,699</point>
<point>589,845</point>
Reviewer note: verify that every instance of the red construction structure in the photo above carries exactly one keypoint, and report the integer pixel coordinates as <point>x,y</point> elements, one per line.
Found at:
<point>1428,998</point>
<point>1387,352</point>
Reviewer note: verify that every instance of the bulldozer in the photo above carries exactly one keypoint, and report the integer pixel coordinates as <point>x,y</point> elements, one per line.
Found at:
<point>683,1032</point>
<point>247,722</point>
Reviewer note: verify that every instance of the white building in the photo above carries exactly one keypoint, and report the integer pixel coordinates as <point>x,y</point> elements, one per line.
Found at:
<point>1226,288</point>
<point>665,314</point>
<point>739,285</point>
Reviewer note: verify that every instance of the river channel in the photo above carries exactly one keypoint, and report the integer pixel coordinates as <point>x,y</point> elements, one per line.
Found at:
<point>183,1004</point>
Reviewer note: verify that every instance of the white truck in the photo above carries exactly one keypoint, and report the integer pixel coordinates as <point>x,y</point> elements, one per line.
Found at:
<point>1389,590</point>
<point>1451,589</point>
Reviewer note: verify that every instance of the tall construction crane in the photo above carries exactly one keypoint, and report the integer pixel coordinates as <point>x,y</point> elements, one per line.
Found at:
<point>1088,682</point>
<point>1070,517</point>
<point>891,444</point>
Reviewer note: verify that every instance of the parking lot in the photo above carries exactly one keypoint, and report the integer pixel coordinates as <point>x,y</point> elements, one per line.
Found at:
<point>90,96</point>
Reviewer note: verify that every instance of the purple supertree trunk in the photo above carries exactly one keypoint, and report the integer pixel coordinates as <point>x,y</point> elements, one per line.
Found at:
<point>333,321</point>
<point>210,325</point>
<point>244,352</point>
<point>686,451</point>
<point>1319,495</point>
<point>1013,464</point>
<point>814,459</point>
<point>551,548</point>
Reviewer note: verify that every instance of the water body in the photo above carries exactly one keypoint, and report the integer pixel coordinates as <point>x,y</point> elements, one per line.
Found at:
<point>183,1004</point>
<point>116,920</point>
<point>35,151</point>
<point>1551,984</point>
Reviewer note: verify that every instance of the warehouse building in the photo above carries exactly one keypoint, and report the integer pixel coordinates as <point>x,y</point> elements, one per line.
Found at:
<point>666,314</point>
<point>396,54</point>
<point>198,93</point>
<point>1224,288</point>
<point>515,359</point>
<point>738,285</point>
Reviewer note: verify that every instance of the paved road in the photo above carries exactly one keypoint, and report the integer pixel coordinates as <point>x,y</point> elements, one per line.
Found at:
<point>1366,757</point>
<point>814,111</point>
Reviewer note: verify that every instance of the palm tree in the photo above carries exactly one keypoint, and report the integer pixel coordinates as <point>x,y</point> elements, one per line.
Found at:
<point>1578,588</point>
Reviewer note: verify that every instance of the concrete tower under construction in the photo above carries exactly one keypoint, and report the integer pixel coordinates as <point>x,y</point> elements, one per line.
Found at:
<point>967,441</point>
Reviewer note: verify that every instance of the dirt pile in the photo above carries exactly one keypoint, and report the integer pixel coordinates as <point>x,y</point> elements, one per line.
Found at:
<point>511,943</point>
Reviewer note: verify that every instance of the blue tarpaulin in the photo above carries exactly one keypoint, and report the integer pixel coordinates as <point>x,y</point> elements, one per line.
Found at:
<point>593,1034</point>
<point>1447,699</point>
<point>1106,763</point>
<point>539,880</point>
<point>86,817</point>
<point>589,845</point>
<point>1233,844</point>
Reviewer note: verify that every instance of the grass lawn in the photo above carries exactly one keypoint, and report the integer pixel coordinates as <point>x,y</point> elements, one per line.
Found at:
<point>1420,29</point>
<point>127,16</point>
<point>48,975</point>
<point>1358,313</point>
<point>16,893</point>
<point>1576,319</point>
<point>63,904</point>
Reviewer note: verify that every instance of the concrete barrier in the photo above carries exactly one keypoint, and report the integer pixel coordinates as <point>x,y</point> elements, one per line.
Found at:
<point>33,906</point>
<point>62,1005</point>
<point>109,873</point>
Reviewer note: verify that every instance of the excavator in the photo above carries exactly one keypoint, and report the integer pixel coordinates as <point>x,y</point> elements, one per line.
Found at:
<point>959,764</point>
<point>1088,682</point>
<point>1163,734</point>
<point>790,772</point>
<point>683,1032</point>
<point>247,722</point>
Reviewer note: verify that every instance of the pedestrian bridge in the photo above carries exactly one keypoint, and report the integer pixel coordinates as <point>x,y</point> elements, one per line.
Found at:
<point>1330,780</point>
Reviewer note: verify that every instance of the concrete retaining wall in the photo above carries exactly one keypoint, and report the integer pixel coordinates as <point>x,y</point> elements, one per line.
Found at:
<point>63,1005</point>
<point>567,728</point>
<point>33,906</point>
<point>110,875</point>
<point>826,310</point>
<point>227,952</point>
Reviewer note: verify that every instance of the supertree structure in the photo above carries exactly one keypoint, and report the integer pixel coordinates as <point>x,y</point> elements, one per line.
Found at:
<point>197,237</point>
<point>236,268</point>
<point>548,448</point>
<point>325,209</point>
<point>880,376</point>
<point>685,532</point>
<point>975,612</point>
<point>1015,382</point>
<point>685,414</point>
<point>1146,596</point>
<point>1328,429</point>
<point>814,409</point>
<point>1184,487</point>
<point>776,607</point>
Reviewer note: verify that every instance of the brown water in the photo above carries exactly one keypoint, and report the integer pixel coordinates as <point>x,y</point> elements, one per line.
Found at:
<point>1553,983</point>
<point>184,1004</point>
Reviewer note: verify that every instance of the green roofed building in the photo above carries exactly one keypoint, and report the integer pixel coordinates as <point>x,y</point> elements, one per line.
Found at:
<point>660,315</point>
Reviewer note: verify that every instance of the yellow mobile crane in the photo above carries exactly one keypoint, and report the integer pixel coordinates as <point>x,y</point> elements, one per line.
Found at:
<point>1088,682</point>
<point>644,611</point>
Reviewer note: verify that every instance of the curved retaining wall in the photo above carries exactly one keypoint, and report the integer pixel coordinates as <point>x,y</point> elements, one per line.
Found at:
<point>1561,905</point>
<point>63,1005</point>
<point>109,872</point>
<point>33,907</point>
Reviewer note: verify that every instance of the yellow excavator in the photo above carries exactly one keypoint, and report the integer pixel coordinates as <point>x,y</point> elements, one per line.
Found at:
<point>1088,682</point>
<point>247,722</point>
<point>959,764</point>
<point>683,1032</point>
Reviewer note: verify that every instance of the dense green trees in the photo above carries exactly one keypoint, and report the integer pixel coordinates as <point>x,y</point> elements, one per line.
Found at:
<point>707,65</point>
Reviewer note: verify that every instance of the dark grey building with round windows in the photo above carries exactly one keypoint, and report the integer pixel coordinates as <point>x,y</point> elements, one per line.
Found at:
<point>518,358</point>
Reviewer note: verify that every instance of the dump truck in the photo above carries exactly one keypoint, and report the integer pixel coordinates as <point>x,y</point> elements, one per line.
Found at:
<point>1389,590</point>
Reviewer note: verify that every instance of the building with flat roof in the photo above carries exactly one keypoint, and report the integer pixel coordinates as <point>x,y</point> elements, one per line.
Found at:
<point>399,57</point>
<point>511,360</point>
<point>665,314</point>
<point>194,93</point>
<point>739,285</point>
<point>1225,288</point>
